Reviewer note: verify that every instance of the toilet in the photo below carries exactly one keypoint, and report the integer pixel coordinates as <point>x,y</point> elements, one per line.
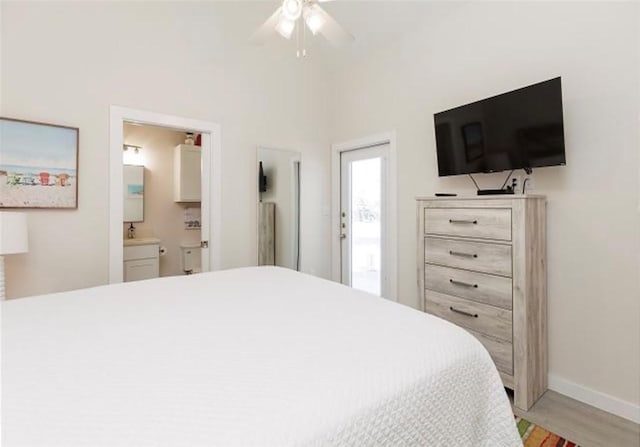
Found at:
<point>190,258</point>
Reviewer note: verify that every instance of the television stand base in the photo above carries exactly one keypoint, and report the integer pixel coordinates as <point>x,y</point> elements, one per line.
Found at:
<point>492,192</point>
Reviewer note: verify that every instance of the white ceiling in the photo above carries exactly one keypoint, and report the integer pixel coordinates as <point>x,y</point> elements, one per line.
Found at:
<point>374,24</point>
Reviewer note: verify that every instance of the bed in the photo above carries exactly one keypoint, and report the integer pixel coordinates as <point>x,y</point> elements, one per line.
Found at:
<point>258,356</point>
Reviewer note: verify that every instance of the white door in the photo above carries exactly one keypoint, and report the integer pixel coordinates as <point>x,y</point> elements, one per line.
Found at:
<point>205,202</point>
<point>363,210</point>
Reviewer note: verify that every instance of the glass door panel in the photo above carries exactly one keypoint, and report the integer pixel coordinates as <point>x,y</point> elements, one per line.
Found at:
<point>362,224</point>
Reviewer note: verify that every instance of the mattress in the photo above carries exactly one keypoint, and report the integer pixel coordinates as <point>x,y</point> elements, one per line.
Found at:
<point>257,356</point>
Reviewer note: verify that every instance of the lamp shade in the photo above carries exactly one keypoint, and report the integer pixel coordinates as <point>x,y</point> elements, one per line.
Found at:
<point>13,233</point>
<point>313,19</point>
<point>285,27</point>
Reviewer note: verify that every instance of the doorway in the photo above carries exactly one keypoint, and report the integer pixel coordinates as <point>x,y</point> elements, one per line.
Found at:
<point>210,170</point>
<point>364,214</point>
<point>162,189</point>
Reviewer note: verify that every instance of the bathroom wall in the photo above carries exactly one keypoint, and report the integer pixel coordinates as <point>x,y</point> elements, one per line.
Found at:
<point>163,218</point>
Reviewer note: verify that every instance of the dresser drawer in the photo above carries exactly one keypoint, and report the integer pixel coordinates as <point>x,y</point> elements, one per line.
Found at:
<point>480,287</point>
<point>501,351</point>
<point>477,256</point>
<point>485,223</point>
<point>487,320</point>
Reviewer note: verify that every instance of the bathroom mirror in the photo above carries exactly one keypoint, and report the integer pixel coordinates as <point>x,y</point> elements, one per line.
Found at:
<point>279,208</point>
<point>133,191</point>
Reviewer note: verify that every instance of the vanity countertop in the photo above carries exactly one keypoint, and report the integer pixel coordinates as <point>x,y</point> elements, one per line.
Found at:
<point>141,241</point>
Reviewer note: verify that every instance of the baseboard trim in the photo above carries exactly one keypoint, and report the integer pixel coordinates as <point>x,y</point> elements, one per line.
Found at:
<point>602,401</point>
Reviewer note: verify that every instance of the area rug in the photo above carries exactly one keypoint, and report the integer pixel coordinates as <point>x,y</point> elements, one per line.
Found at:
<point>536,436</point>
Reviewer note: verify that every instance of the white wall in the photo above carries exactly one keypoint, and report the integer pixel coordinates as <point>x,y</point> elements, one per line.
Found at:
<point>593,205</point>
<point>66,63</point>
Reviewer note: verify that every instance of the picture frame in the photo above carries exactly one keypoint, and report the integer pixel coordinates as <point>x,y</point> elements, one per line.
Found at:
<point>192,218</point>
<point>38,165</point>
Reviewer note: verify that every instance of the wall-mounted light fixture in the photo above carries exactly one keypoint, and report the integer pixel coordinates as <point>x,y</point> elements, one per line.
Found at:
<point>131,154</point>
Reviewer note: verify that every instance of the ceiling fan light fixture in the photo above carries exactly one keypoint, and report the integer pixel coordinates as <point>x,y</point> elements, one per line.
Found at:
<point>292,9</point>
<point>313,19</point>
<point>285,27</point>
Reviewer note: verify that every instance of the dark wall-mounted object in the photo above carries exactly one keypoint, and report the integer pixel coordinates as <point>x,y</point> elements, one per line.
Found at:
<point>521,129</point>
<point>262,179</point>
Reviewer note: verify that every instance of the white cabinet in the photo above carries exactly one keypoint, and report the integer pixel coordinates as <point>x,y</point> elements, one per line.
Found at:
<point>138,269</point>
<point>141,261</point>
<point>186,173</point>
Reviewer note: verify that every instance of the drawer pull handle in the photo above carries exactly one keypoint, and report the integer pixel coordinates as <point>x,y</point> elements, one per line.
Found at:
<point>461,221</point>
<point>462,312</point>
<point>464,284</point>
<point>464,255</point>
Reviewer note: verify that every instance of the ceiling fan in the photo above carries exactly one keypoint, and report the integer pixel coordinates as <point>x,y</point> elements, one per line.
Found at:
<point>293,15</point>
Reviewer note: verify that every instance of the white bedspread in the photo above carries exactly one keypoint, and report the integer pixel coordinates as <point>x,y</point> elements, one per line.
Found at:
<point>247,357</point>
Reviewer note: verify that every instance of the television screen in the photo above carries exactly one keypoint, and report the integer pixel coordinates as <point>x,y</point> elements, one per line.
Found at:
<point>519,129</point>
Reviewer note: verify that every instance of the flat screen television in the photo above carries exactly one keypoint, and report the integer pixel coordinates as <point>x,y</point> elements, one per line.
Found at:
<point>522,129</point>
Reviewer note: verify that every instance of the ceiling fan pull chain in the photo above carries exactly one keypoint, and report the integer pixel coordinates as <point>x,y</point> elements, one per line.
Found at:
<point>297,40</point>
<point>304,40</point>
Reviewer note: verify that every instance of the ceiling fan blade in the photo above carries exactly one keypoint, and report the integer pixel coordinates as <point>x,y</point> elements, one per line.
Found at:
<point>332,30</point>
<point>267,29</point>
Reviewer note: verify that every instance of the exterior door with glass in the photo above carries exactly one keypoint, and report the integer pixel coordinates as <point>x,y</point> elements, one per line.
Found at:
<point>362,218</point>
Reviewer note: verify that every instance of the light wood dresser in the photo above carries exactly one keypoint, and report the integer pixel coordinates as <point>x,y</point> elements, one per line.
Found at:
<point>482,266</point>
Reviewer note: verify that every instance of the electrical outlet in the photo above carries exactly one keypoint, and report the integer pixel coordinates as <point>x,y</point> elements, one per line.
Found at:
<point>530,186</point>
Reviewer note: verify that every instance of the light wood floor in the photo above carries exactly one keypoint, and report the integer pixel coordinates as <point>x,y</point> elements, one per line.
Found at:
<point>581,423</point>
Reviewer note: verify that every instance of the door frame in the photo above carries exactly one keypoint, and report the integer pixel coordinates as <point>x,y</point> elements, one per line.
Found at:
<point>391,261</point>
<point>211,169</point>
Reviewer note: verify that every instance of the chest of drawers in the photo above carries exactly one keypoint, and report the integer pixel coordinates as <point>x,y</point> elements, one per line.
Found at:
<point>482,266</point>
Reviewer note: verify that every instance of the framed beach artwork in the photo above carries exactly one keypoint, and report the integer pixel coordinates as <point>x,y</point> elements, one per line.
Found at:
<point>38,165</point>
